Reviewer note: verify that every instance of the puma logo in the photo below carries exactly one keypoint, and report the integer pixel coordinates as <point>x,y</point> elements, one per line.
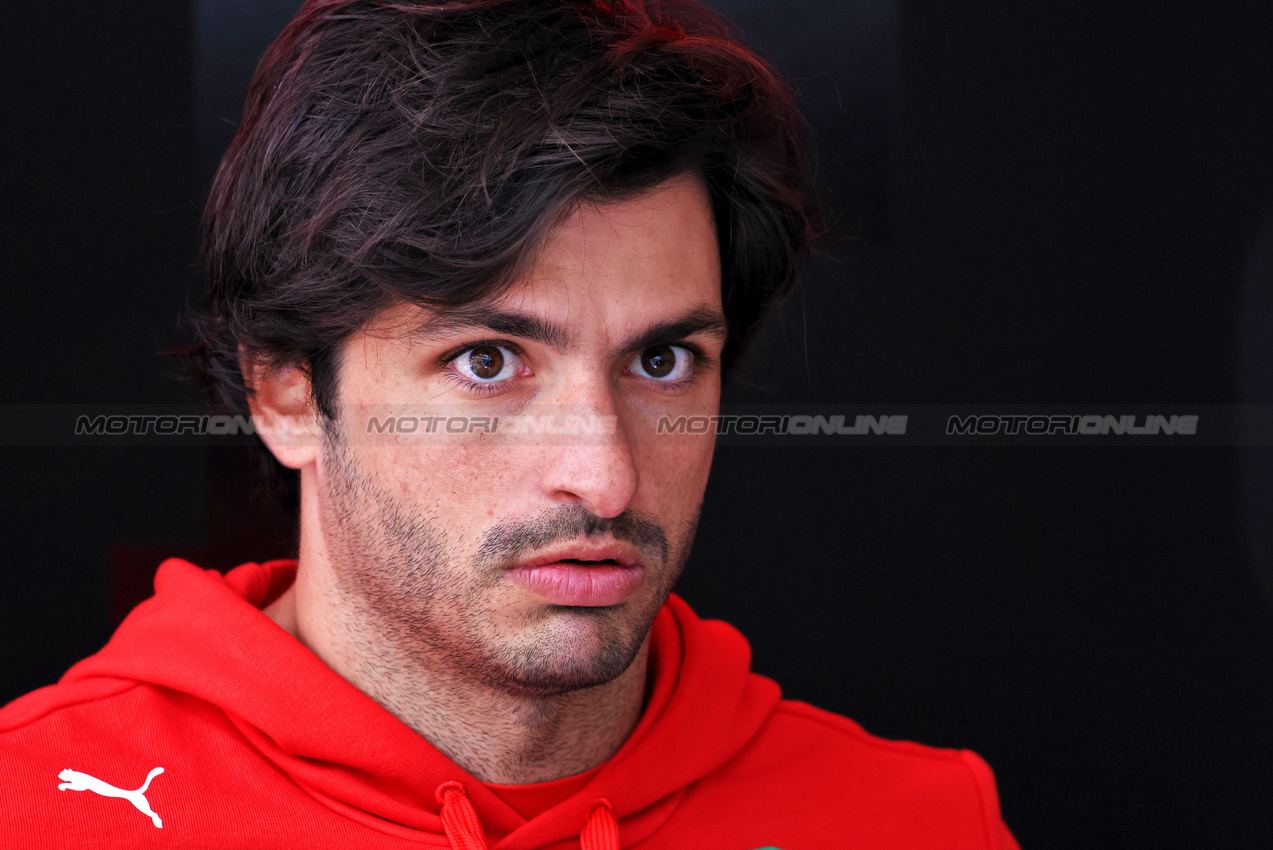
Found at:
<point>76,781</point>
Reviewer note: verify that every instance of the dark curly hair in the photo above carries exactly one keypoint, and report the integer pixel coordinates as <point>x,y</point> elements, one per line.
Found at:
<point>397,151</point>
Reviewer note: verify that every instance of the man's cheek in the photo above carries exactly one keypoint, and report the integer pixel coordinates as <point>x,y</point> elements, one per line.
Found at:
<point>679,463</point>
<point>484,481</point>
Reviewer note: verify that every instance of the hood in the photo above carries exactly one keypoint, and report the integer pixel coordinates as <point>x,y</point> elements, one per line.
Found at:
<point>203,634</point>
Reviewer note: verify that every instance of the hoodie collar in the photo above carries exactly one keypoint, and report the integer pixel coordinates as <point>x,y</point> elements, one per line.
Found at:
<point>203,634</point>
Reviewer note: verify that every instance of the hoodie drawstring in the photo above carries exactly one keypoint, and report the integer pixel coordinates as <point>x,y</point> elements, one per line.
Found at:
<point>464,828</point>
<point>459,818</point>
<point>601,832</point>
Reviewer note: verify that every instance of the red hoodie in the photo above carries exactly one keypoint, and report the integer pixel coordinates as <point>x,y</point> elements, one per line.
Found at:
<point>263,746</point>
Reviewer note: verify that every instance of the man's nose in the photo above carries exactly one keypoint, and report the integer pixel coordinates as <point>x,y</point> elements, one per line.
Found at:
<point>590,462</point>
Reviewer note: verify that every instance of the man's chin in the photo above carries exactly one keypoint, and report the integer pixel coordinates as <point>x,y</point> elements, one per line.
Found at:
<point>567,662</point>
<point>555,682</point>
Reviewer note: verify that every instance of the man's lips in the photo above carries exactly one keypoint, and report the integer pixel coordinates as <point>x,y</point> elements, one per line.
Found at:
<point>584,575</point>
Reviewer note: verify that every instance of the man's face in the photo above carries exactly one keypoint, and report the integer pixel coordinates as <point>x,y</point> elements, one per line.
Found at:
<point>533,563</point>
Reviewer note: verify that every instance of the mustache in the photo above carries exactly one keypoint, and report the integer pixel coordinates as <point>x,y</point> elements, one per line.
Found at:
<point>507,542</point>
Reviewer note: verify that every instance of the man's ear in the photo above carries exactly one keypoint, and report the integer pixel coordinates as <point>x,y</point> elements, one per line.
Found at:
<point>283,411</point>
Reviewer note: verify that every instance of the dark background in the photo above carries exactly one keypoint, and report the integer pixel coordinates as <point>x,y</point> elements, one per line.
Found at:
<point>1031,203</point>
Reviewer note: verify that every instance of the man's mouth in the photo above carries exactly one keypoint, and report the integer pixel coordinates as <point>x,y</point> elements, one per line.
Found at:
<point>582,574</point>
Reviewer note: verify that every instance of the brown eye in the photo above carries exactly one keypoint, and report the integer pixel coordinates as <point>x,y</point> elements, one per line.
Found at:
<point>659,361</point>
<point>486,362</point>
<point>666,364</point>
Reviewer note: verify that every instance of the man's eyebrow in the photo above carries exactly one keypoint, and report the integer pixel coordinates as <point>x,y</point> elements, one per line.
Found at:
<point>501,322</point>
<point>507,323</point>
<point>701,320</point>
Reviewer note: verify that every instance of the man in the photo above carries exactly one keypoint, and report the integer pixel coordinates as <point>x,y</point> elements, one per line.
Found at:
<point>462,258</point>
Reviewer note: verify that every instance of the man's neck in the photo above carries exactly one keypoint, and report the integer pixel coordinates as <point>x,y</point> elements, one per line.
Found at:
<point>494,735</point>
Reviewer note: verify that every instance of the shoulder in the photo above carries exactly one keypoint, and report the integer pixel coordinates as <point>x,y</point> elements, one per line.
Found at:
<point>70,748</point>
<point>73,715</point>
<point>846,746</point>
<point>895,793</point>
<point>99,726</point>
<point>796,725</point>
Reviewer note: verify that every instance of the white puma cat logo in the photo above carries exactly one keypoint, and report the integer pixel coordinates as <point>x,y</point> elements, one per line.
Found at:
<point>76,781</point>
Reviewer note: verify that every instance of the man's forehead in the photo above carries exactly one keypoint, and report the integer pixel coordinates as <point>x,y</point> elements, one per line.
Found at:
<point>433,326</point>
<point>488,316</point>
<point>629,271</point>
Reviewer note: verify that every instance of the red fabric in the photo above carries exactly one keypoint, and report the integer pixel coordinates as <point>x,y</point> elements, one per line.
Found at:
<point>463,828</point>
<point>264,746</point>
<point>531,801</point>
<point>601,832</point>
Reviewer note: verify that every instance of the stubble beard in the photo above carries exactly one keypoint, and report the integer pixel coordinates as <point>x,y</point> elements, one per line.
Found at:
<point>413,604</point>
